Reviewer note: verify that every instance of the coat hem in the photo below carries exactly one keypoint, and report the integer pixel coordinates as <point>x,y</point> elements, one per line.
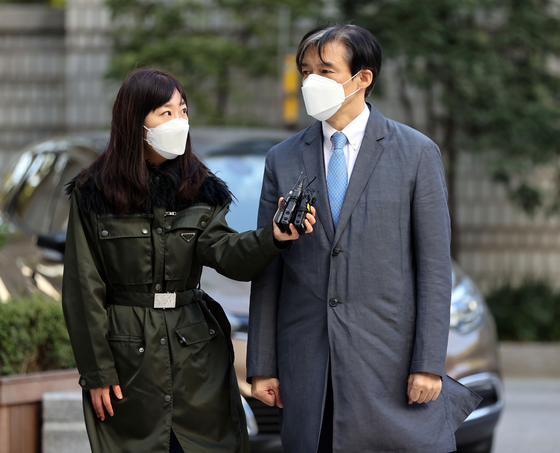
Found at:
<point>451,447</point>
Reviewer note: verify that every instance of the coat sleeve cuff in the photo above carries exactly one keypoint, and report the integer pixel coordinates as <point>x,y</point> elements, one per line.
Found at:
<point>262,371</point>
<point>98,379</point>
<point>427,367</point>
<point>270,246</point>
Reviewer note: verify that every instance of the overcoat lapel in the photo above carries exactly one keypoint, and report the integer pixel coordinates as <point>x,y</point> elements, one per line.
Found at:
<point>314,163</point>
<point>370,152</point>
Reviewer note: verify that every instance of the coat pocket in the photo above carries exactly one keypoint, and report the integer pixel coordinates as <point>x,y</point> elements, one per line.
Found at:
<point>127,249</point>
<point>181,240</point>
<point>196,333</point>
<point>203,353</point>
<point>128,354</point>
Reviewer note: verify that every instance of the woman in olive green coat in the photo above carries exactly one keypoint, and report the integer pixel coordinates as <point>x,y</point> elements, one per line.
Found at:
<point>152,349</point>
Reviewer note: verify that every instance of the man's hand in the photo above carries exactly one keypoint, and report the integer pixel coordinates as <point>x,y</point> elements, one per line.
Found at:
<point>309,221</point>
<point>267,390</point>
<point>423,387</point>
<point>100,397</point>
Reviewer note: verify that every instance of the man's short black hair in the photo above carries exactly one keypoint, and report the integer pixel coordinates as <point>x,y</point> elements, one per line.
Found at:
<point>363,49</point>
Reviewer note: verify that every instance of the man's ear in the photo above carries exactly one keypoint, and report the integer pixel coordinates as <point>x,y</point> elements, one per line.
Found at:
<point>365,78</point>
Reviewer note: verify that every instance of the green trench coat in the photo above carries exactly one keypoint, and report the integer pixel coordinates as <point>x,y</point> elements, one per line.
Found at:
<point>174,365</point>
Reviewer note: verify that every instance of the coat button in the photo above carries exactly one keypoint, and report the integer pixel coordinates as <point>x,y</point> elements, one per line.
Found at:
<point>159,231</point>
<point>157,178</point>
<point>144,231</point>
<point>167,398</point>
<point>141,350</point>
<point>163,341</point>
<point>336,251</point>
<point>333,302</point>
<point>203,224</point>
<point>104,233</point>
<point>167,227</point>
<point>83,382</point>
<point>212,332</point>
<point>158,287</point>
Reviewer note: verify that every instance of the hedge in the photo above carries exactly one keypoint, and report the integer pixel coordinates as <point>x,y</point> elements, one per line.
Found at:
<point>529,312</point>
<point>33,336</point>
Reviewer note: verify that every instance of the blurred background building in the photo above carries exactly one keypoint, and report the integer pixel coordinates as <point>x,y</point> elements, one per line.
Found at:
<point>54,63</point>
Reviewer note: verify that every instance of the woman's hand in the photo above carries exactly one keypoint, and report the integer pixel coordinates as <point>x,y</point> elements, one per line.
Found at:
<point>309,221</point>
<point>101,397</point>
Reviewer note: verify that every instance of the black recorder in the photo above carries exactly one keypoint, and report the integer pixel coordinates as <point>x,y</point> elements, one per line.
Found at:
<point>295,206</point>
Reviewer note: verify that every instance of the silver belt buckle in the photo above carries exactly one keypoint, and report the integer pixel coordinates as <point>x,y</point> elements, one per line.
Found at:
<point>165,300</point>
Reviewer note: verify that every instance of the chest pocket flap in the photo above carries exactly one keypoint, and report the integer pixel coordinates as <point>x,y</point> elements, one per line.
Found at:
<point>115,228</point>
<point>126,246</point>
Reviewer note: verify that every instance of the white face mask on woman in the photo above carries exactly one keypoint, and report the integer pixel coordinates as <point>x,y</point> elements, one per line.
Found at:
<point>170,138</point>
<point>323,96</point>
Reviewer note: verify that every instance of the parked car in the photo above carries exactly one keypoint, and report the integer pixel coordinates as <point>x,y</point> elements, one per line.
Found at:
<point>32,198</point>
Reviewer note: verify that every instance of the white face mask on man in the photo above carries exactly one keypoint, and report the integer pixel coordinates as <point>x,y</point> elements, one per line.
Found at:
<point>170,138</point>
<point>323,96</point>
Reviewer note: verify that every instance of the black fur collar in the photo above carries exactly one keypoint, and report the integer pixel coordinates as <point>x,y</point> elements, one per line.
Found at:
<point>164,185</point>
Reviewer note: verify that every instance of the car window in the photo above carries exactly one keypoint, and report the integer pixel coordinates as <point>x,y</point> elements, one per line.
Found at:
<point>33,192</point>
<point>243,175</point>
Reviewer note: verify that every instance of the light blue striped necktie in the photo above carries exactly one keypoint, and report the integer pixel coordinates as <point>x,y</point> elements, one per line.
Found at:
<point>337,176</point>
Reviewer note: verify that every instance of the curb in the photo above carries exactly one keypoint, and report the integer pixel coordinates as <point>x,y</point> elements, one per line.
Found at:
<point>530,360</point>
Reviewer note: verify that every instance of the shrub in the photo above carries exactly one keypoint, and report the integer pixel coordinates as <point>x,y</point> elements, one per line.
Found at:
<point>33,336</point>
<point>529,312</point>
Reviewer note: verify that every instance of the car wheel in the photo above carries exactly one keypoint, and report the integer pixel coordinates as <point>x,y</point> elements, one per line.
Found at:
<point>483,446</point>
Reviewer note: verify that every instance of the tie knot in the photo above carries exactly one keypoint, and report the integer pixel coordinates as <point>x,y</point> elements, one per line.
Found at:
<point>339,140</point>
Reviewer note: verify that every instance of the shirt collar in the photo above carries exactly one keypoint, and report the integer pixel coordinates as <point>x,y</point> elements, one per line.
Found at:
<point>354,132</point>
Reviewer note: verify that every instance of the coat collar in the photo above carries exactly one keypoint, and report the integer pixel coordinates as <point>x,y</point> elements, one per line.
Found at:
<point>370,152</point>
<point>164,182</point>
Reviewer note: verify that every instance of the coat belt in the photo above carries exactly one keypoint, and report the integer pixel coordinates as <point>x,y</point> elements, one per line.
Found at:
<point>146,300</point>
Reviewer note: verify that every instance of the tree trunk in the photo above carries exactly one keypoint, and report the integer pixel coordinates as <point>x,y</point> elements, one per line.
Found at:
<point>450,147</point>
<point>222,93</point>
<point>404,97</point>
<point>432,126</point>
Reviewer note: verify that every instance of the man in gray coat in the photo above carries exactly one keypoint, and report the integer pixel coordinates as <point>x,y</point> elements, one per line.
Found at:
<point>348,329</point>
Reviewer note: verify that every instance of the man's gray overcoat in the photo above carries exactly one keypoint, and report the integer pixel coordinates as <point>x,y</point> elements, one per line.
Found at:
<point>372,298</point>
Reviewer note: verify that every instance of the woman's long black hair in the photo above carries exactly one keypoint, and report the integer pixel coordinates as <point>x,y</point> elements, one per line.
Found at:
<point>120,172</point>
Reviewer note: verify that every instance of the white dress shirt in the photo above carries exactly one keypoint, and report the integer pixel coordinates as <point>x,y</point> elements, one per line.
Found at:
<point>354,132</point>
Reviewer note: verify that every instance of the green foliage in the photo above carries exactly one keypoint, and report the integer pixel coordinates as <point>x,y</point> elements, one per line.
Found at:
<point>33,336</point>
<point>3,233</point>
<point>530,312</point>
<point>486,68</point>
<point>201,43</point>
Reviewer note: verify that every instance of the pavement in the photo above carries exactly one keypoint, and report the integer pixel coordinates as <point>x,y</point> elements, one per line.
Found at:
<point>530,422</point>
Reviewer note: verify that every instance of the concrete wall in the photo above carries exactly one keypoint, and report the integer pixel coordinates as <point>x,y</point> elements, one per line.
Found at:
<point>89,95</point>
<point>52,66</point>
<point>64,430</point>
<point>32,75</point>
<point>498,241</point>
